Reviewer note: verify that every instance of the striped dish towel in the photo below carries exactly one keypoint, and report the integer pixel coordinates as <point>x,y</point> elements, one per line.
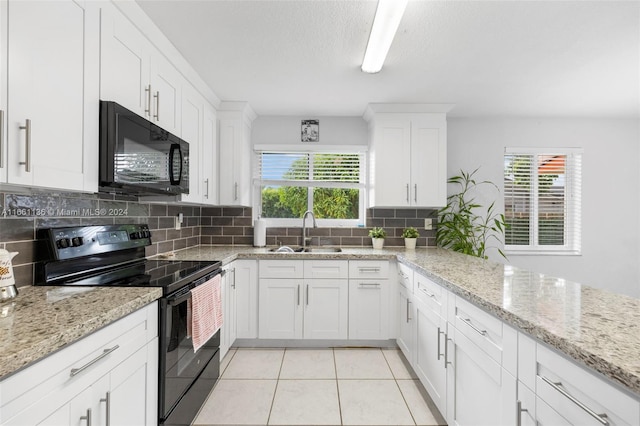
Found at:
<point>206,311</point>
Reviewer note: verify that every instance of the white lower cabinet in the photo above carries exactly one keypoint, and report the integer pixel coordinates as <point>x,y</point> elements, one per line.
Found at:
<point>239,303</point>
<point>479,390</point>
<point>306,300</point>
<point>228,332</point>
<point>108,377</point>
<point>406,330</point>
<point>369,292</point>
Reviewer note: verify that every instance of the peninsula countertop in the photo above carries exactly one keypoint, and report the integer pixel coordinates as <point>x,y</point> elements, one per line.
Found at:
<point>596,328</point>
<point>43,319</point>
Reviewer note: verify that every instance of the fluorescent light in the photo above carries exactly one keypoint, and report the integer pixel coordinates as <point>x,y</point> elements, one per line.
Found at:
<point>385,24</point>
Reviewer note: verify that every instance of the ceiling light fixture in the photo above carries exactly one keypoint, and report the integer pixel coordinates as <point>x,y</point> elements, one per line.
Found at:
<point>385,24</point>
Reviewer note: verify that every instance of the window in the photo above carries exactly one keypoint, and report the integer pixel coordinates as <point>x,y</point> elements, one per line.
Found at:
<point>542,200</point>
<point>331,184</point>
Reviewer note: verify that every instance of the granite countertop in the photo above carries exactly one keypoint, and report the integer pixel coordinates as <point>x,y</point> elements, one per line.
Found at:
<point>597,328</point>
<point>42,319</point>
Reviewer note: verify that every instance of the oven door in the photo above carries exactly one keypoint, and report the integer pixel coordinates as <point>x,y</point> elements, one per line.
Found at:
<point>183,373</point>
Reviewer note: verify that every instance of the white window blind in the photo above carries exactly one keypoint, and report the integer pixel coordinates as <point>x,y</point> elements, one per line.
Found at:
<point>331,184</point>
<point>542,199</point>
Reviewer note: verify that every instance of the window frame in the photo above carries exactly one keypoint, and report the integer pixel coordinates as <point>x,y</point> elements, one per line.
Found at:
<point>572,200</point>
<point>361,151</point>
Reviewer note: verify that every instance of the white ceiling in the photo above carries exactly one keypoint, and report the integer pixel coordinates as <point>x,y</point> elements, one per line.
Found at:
<point>490,58</point>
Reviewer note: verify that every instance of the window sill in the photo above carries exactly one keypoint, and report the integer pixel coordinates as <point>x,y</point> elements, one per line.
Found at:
<point>541,253</point>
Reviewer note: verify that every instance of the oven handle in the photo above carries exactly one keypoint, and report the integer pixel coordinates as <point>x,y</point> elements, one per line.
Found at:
<point>174,301</point>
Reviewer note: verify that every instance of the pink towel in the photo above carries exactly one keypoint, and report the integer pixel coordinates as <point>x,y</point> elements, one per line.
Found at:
<point>206,311</point>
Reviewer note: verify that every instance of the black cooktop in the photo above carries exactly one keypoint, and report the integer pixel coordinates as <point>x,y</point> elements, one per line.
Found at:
<point>113,255</point>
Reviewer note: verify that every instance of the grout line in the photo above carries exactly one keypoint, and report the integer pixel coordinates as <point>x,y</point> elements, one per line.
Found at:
<point>275,391</point>
<point>335,370</point>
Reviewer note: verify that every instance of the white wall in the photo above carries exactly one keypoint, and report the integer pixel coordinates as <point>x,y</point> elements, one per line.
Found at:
<point>285,130</point>
<point>610,190</point>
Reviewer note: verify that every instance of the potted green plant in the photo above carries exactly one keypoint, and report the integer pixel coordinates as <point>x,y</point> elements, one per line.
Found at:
<point>460,227</point>
<point>377,237</point>
<point>410,236</point>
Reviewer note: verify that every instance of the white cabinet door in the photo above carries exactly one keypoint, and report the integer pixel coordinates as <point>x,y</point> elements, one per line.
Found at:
<point>192,116</point>
<point>390,175</point>
<point>209,164</point>
<point>125,64</point>
<point>3,91</point>
<point>46,103</point>
<point>246,287</point>
<point>479,390</point>
<point>234,130</point>
<point>326,309</point>
<point>128,401</point>
<point>369,309</point>
<point>224,332</point>
<point>166,85</point>
<point>281,308</point>
<point>428,163</point>
<point>429,359</point>
<point>406,329</point>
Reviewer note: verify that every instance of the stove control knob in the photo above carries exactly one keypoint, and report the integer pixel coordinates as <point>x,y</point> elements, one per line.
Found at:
<point>76,241</point>
<point>146,234</point>
<point>63,243</point>
<point>135,235</point>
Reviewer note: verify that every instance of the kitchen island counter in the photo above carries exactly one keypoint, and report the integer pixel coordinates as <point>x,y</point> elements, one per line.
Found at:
<point>596,328</point>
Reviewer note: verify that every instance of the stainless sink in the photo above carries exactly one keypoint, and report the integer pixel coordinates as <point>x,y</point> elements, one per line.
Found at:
<point>287,249</point>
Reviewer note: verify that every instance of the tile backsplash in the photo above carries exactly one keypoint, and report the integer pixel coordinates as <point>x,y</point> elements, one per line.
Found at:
<point>24,213</point>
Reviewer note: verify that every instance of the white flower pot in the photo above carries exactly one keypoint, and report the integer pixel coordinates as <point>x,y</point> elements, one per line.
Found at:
<point>410,243</point>
<point>378,243</point>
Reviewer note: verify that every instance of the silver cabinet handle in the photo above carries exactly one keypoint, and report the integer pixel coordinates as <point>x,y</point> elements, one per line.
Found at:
<point>233,282</point>
<point>368,269</point>
<point>307,294</point>
<point>157,98</point>
<point>107,401</point>
<point>206,194</point>
<point>147,109</point>
<point>1,138</point>
<point>369,285</point>
<point>519,411</point>
<point>424,290</point>
<point>408,305</point>
<point>27,151</point>
<point>298,294</point>
<point>106,352</point>
<point>407,193</point>
<point>476,329</point>
<point>439,333</point>
<point>87,417</point>
<point>558,386</point>
<point>446,350</point>
<point>415,192</point>
<point>235,192</point>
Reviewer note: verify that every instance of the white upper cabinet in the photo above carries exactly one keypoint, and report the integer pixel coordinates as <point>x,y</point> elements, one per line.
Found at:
<point>192,119</point>
<point>136,75</point>
<point>51,112</point>
<point>408,157</point>
<point>234,137</point>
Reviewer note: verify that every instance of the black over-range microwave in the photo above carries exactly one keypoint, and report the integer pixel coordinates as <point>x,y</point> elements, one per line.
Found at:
<point>137,157</point>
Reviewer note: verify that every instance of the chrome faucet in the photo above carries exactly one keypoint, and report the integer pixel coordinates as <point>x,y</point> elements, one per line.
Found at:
<point>304,226</point>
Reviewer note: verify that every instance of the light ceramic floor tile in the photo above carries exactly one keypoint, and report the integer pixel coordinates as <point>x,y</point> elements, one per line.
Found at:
<point>226,360</point>
<point>361,364</point>
<point>308,364</point>
<point>238,402</point>
<point>305,402</point>
<point>372,402</point>
<point>398,364</point>
<point>412,392</point>
<point>254,364</point>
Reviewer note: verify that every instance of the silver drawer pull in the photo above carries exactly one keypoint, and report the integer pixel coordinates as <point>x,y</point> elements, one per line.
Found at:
<point>369,269</point>
<point>106,352</point>
<point>558,386</point>
<point>369,285</point>
<point>476,329</point>
<point>424,290</point>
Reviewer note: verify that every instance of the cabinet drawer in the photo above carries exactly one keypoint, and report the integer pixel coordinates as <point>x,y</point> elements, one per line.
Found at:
<point>579,395</point>
<point>281,268</point>
<point>326,269</point>
<point>405,277</point>
<point>362,269</point>
<point>53,377</point>
<point>432,294</point>
<point>479,326</point>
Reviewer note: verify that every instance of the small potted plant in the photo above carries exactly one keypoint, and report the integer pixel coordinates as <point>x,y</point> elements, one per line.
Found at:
<point>410,236</point>
<point>377,237</point>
